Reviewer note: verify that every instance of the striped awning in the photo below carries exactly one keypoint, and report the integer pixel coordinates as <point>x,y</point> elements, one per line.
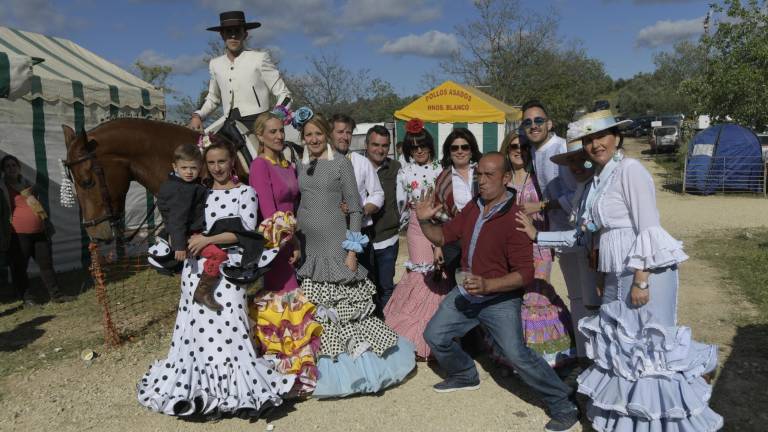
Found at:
<point>71,73</point>
<point>15,75</point>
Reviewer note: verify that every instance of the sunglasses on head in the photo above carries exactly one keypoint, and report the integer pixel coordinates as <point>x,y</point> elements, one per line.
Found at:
<point>462,147</point>
<point>528,123</point>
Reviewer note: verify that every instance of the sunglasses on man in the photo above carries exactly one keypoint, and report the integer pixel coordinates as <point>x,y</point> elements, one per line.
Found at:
<point>528,123</point>
<point>232,33</point>
<point>462,147</point>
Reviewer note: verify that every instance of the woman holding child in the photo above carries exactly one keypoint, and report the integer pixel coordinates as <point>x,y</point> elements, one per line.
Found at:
<point>212,367</point>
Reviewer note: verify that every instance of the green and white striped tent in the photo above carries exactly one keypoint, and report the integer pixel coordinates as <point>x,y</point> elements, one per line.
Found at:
<point>71,86</point>
<point>452,105</point>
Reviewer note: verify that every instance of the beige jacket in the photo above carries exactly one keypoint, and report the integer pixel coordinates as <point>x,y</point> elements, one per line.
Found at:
<point>244,83</point>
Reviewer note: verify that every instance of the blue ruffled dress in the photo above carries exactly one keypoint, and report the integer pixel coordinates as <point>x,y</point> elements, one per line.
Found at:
<point>647,371</point>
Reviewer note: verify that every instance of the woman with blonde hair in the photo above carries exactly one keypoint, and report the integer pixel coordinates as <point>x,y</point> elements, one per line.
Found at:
<point>358,352</point>
<point>285,323</point>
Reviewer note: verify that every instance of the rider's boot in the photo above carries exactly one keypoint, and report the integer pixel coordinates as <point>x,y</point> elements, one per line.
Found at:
<point>204,292</point>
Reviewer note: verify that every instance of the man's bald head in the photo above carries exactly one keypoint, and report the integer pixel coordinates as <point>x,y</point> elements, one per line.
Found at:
<point>494,171</point>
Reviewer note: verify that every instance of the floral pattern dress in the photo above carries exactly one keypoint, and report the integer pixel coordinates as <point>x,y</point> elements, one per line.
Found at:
<point>417,294</point>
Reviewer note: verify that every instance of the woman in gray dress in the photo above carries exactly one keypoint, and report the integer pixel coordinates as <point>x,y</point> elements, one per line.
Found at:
<point>358,352</point>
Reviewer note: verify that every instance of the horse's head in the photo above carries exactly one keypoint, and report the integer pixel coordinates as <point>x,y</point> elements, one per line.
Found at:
<point>100,190</point>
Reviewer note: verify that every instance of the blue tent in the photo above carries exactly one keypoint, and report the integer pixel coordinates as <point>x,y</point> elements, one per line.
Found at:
<point>724,157</point>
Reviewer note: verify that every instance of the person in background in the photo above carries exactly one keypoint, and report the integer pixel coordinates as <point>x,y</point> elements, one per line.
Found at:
<point>384,233</point>
<point>29,234</point>
<point>497,263</point>
<point>422,287</point>
<point>241,80</point>
<point>546,321</point>
<point>368,185</point>
<point>454,188</point>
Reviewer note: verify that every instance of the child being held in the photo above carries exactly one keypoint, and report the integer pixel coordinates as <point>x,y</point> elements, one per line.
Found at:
<point>181,201</point>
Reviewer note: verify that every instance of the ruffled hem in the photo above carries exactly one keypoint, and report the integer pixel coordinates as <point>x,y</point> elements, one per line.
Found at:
<point>367,373</point>
<point>412,305</point>
<point>321,268</point>
<point>345,312</point>
<point>610,421</point>
<point>655,248</point>
<point>645,376</point>
<point>629,343</point>
<point>286,329</point>
<point>183,390</point>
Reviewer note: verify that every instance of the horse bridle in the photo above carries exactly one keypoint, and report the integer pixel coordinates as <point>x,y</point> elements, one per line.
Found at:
<point>111,216</point>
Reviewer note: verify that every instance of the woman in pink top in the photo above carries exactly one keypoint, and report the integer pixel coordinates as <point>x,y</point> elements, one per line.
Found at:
<point>285,324</point>
<point>28,236</point>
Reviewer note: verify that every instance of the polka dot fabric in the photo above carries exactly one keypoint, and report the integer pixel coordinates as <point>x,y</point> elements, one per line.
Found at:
<point>212,364</point>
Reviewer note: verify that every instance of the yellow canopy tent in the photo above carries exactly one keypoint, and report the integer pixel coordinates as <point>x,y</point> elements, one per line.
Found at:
<point>451,105</point>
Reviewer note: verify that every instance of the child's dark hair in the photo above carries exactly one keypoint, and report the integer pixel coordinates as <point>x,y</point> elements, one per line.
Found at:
<point>187,152</point>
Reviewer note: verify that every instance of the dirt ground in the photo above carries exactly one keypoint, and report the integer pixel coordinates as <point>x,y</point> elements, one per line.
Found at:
<point>66,394</point>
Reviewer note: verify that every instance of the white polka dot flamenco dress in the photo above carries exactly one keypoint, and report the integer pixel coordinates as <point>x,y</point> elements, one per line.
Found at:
<point>212,365</point>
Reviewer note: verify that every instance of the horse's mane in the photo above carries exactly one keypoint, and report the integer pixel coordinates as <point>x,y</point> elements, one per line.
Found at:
<point>130,118</point>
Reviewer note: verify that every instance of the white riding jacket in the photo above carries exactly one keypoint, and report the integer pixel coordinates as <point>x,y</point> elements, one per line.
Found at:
<point>244,83</point>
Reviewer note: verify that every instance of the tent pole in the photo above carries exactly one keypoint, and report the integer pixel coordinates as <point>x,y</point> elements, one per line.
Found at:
<point>685,171</point>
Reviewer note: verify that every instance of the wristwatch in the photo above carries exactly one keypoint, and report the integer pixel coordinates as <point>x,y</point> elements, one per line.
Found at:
<point>641,285</point>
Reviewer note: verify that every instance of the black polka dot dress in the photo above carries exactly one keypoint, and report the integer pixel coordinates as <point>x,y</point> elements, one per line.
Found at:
<point>358,352</point>
<point>212,364</point>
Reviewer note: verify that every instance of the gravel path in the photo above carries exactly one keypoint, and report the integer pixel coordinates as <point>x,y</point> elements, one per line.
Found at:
<point>72,396</point>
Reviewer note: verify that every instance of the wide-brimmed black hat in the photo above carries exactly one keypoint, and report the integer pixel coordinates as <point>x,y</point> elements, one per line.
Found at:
<point>233,19</point>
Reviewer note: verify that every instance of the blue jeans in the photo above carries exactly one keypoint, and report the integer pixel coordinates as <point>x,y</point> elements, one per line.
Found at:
<point>502,320</point>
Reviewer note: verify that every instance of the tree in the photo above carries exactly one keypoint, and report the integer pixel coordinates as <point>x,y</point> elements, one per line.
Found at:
<point>156,75</point>
<point>734,82</point>
<point>329,87</point>
<point>516,55</point>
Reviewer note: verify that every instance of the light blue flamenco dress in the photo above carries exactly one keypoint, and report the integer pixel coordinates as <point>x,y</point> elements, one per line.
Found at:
<point>647,371</point>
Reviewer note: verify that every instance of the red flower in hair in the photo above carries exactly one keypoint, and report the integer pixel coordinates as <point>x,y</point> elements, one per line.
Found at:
<point>414,126</point>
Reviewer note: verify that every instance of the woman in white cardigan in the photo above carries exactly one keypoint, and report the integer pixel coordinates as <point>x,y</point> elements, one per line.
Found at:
<point>647,371</point>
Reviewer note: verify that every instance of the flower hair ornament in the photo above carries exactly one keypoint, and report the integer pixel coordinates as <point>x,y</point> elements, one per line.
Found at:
<point>283,113</point>
<point>203,141</point>
<point>301,116</point>
<point>414,126</point>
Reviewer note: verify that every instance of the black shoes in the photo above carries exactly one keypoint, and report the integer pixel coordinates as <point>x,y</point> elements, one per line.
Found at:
<point>562,422</point>
<point>453,384</point>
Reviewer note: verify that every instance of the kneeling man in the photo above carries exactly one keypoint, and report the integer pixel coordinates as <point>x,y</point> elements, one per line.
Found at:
<point>498,261</point>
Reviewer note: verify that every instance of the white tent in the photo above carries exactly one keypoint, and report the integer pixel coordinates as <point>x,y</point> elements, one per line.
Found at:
<point>72,86</point>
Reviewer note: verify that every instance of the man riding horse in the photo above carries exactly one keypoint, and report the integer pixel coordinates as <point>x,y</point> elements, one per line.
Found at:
<point>241,81</point>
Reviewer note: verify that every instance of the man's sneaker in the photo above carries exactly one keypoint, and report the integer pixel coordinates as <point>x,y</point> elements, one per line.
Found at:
<point>562,422</point>
<point>453,384</point>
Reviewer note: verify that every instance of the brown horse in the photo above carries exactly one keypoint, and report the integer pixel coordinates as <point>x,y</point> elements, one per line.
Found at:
<point>104,161</point>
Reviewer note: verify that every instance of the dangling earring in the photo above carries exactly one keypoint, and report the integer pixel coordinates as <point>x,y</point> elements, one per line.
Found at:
<point>587,164</point>
<point>234,177</point>
<point>617,156</point>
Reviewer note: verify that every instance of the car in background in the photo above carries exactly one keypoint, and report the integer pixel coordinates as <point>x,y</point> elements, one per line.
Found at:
<point>641,126</point>
<point>664,138</point>
<point>763,137</point>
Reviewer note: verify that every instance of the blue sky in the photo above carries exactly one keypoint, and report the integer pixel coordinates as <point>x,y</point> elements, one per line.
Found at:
<point>398,40</point>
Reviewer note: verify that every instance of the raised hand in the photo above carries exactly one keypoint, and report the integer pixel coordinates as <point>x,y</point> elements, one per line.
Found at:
<point>526,225</point>
<point>425,207</point>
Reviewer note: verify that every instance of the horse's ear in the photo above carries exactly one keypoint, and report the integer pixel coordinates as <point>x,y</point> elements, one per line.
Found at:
<point>69,135</point>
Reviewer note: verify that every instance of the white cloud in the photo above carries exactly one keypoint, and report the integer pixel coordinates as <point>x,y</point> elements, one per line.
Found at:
<point>430,44</point>
<point>315,18</point>
<point>181,65</point>
<point>40,16</point>
<point>668,32</point>
<point>363,12</point>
